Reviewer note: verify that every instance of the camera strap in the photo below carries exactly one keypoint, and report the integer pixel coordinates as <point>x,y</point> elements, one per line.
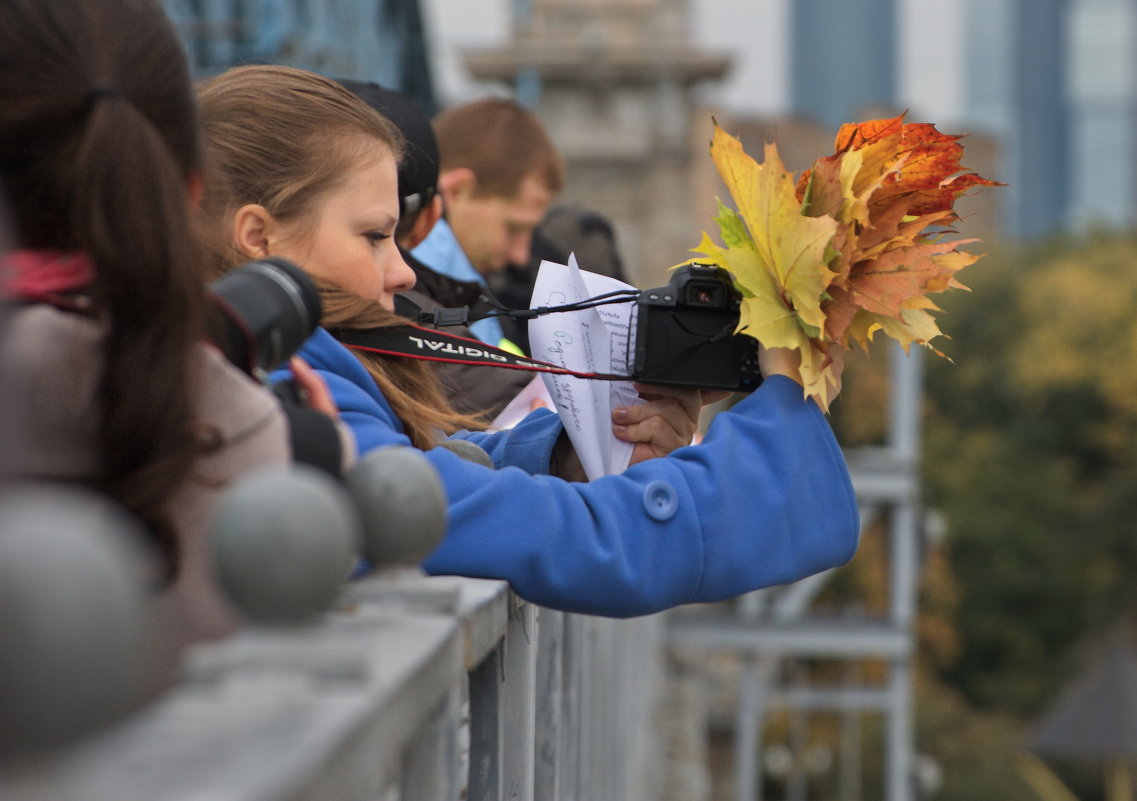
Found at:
<point>464,315</point>
<point>428,344</point>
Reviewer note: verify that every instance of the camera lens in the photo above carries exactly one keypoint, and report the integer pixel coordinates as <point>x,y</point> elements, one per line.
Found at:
<point>270,307</point>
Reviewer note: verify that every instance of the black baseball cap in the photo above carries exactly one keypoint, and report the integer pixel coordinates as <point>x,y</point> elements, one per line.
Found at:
<point>418,169</point>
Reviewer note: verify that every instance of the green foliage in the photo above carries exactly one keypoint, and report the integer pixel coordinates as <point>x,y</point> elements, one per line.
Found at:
<point>1031,454</point>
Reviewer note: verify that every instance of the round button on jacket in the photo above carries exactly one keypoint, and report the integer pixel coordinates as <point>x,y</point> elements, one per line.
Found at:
<point>660,500</point>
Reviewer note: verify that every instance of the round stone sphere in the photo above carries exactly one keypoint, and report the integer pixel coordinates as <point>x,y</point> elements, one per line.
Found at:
<point>284,541</point>
<point>75,616</point>
<point>402,505</point>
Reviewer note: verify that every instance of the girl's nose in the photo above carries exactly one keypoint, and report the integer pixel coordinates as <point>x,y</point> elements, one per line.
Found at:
<point>400,277</point>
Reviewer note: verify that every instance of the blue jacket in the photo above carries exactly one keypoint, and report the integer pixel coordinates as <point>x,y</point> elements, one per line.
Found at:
<point>765,499</point>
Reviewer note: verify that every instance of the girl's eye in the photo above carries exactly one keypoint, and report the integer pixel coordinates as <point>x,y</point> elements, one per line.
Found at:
<point>375,237</point>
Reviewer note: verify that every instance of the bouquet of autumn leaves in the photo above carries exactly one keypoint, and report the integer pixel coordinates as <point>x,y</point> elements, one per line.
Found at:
<point>852,246</point>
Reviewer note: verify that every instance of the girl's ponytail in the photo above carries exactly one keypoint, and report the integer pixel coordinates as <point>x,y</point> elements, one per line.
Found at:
<point>98,143</point>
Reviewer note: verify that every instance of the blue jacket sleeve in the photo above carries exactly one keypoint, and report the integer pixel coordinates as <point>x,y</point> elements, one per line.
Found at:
<point>528,445</point>
<point>765,499</point>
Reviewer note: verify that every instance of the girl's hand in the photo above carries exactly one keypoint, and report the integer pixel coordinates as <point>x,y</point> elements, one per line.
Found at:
<point>313,388</point>
<point>667,421</point>
<point>787,362</point>
<point>780,361</point>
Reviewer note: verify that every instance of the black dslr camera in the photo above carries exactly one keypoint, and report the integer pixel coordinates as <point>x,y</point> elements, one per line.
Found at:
<point>264,311</point>
<point>685,333</point>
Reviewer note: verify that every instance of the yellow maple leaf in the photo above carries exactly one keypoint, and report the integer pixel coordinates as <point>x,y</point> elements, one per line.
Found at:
<point>777,257</point>
<point>791,247</point>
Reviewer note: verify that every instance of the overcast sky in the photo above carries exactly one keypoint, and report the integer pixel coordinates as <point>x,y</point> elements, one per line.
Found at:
<point>752,31</point>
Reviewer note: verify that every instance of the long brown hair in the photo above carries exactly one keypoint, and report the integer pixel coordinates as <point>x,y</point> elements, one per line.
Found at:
<point>283,138</point>
<point>98,141</point>
<point>410,387</point>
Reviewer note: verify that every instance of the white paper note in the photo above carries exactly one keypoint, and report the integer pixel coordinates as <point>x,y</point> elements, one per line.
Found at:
<point>591,340</point>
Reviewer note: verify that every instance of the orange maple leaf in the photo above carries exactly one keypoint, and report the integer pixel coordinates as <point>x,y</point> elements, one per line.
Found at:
<point>882,210</point>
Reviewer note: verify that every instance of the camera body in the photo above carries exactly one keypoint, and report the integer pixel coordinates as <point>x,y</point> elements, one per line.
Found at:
<point>685,333</point>
<point>264,310</point>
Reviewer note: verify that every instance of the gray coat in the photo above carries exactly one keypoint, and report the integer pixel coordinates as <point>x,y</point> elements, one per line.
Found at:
<point>51,362</point>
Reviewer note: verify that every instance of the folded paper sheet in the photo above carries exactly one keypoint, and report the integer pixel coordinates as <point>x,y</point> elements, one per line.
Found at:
<point>591,340</point>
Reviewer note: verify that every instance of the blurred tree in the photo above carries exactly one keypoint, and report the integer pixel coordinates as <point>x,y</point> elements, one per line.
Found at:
<point>1029,453</point>
<point>1030,456</point>
<point>860,413</point>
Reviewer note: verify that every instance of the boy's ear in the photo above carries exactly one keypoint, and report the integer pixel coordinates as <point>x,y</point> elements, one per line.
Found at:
<point>457,182</point>
<point>430,214</point>
<point>252,225</point>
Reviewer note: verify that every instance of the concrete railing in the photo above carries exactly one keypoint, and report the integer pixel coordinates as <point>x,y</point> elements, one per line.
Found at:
<point>411,688</point>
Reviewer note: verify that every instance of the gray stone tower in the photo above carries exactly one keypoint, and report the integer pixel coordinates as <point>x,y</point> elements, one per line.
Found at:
<point>614,82</point>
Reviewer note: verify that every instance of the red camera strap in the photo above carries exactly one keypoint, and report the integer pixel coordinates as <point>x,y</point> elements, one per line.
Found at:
<point>429,344</point>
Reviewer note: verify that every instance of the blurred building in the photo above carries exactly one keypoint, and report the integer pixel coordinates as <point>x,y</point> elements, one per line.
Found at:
<point>614,81</point>
<point>373,40</point>
<point>1050,85</point>
<point>1101,89</point>
<point>1017,67</point>
<point>840,57</point>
